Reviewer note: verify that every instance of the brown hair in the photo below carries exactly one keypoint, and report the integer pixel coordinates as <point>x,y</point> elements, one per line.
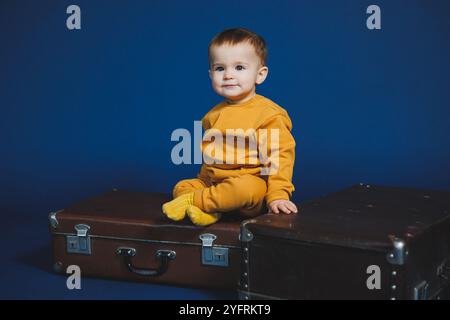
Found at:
<point>239,35</point>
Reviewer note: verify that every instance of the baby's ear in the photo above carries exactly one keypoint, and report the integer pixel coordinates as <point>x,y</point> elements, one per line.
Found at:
<point>262,75</point>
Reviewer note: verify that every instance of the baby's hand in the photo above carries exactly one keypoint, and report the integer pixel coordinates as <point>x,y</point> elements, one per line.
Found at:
<point>283,206</point>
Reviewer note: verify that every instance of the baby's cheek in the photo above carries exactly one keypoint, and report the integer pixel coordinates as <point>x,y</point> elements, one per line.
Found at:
<point>216,87</point>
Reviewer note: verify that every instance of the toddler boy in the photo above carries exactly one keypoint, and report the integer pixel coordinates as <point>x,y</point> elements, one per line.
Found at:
<point>237,64</point>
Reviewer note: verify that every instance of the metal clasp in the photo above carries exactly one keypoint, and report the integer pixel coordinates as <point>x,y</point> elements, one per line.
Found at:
<point>81,243</point>
<point>215,256</point>
<point>421,291</point>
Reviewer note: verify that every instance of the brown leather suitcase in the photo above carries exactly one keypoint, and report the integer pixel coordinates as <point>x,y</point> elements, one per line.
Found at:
<point>124,235</point>
<point>364,242</point>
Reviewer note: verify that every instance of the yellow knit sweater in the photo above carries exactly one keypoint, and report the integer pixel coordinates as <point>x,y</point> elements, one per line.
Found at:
<point>256,114</point>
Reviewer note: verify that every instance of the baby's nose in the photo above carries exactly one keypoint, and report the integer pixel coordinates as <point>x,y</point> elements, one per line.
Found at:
<point>228,75</point>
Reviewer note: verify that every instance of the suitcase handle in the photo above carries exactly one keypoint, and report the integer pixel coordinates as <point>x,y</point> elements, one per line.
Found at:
<point>162,255</point>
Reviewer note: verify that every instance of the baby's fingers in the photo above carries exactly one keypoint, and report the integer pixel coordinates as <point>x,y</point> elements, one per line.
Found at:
<point>274,209</point>
<point>292,207</point>
<point>285,209</point>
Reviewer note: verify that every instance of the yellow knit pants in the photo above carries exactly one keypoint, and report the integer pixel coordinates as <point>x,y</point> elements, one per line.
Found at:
<point>243,193</point>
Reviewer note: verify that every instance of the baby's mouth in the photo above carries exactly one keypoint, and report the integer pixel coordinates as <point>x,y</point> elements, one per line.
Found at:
<point>230,85</point>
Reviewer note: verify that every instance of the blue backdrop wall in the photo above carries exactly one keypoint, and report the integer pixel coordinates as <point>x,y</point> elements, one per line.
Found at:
<point>84,111</point>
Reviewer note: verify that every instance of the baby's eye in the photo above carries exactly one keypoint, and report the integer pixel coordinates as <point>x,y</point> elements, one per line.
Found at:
<point>218,69</point>
<point>239,67</point>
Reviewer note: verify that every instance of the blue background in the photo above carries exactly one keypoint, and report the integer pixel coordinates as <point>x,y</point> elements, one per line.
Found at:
<point>88,110</point>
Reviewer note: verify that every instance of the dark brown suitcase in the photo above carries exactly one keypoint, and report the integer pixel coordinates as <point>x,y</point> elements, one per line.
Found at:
<point>124,235</point>
<point>333,247</point>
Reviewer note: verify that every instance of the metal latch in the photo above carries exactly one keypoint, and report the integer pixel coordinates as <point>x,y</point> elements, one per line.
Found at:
<point>81,243</point>
<point>215,256</point>
<point>421,291</point>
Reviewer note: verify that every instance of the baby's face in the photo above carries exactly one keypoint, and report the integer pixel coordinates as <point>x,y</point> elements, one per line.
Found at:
<point>235,71</point>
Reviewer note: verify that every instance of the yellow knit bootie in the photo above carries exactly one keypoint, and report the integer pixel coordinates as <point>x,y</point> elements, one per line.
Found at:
<point>201,218</point>
<point>176,209</point>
